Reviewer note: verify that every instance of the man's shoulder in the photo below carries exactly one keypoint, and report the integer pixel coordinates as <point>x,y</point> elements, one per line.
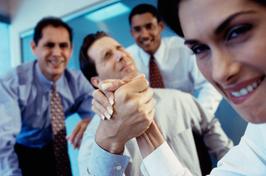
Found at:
<point>76,79</point>
<point>73,74</point>
<point>133,48</point>
<point>22,72</point>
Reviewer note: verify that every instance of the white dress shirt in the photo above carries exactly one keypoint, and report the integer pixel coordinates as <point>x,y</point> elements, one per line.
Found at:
<point>247,158</point>
<point>177,114</point>
<point>179,70</point>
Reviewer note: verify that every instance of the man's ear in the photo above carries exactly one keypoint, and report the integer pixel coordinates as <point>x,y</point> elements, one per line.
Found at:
<point>33,46</point>
<point>95,80</point>
<point>131,32</point>
<point>161,24</point>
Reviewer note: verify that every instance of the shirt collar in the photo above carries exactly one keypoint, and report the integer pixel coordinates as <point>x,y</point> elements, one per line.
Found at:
<point>158,54</point>
<point>46,84</point>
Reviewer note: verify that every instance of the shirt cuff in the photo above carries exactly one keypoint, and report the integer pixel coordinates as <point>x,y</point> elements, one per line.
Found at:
<point>162,161</point>
<point>104,163</point>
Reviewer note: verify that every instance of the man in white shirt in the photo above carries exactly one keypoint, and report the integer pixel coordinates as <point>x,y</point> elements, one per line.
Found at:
<point>176,63</point>
<point>177,115</point>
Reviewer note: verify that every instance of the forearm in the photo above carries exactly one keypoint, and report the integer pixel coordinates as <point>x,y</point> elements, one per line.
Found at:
<point>150,140</point>
<point>10,126</point>
<point>110,145</point>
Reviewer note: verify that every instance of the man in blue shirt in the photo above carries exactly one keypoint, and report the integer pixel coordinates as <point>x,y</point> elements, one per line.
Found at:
<point>26,137</point>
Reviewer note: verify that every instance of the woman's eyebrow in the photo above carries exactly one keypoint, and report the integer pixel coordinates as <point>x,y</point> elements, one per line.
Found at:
<point>228,20</point>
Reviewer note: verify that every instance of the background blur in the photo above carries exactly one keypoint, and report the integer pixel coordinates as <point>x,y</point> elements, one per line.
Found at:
<point>18,17</point>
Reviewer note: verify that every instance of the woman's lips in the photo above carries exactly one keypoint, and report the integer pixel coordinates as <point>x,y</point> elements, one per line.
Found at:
<point>241,91</point>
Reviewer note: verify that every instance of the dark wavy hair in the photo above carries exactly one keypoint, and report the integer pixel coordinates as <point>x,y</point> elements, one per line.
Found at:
<point>50,21</point>
<point>168,10</point>
<point>87,65</point>
<point>144,8</point>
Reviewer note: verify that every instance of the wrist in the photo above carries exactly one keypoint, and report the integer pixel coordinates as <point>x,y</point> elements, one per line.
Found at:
<point>108,141</point>
<point>110,146</point>
<point>150,140</point>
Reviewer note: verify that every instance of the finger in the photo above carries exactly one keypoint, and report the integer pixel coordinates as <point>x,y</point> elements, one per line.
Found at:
<point>110,97</point>
<point>78,138</point>
<point>128,79</point>
<point>148,107</point>
<point>111,84</point>
<point>146,95</point>
<point>73,134</point>
<point>151,114</point>
<point>94,109</point>
<point>101,110</point>
<point>138,84</point>
<point>101,99</point>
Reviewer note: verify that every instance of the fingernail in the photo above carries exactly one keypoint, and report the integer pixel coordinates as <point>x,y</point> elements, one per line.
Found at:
<point>110,110</point>
<point>148,83</point>
<point>105,86</point>
<point>102,117</point>
<point>111,99</point>
<point>107,115</point>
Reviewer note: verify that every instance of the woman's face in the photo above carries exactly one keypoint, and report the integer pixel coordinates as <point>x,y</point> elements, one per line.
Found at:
<point>229,41</point>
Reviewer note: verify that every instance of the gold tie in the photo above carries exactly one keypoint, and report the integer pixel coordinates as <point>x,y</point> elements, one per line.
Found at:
<point>59,135</point>
<point>156,80</point>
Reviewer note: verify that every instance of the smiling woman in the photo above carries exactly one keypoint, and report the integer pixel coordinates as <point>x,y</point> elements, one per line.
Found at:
<point>228,39</point>
<point>230,51</point>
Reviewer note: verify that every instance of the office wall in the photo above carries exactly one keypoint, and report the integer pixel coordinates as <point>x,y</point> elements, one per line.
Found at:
<point>25,14</point>
<point>4,48</point>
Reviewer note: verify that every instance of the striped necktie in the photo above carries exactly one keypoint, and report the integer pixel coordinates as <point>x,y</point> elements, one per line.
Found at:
<point>156,80</point>
<point>59,134</point>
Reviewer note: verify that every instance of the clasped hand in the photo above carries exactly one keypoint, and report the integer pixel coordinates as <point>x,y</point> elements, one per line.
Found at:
<point>129,107</point>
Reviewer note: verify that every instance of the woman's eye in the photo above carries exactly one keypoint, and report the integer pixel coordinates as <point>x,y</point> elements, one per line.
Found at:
<point>199,49</point>
<point>237,31</point>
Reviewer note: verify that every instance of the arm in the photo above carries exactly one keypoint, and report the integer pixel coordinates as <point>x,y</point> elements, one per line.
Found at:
<point>247,158</point>
<point>157,154</point>
<point>133,114</point>
<point>77,134</point>
<point>10,125</point>
<point>89,150</point>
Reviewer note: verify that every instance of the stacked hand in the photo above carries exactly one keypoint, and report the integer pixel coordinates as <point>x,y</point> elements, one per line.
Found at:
<point>128,105</point>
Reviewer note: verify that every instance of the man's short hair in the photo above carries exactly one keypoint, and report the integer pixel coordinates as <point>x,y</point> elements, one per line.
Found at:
<point>144,8</point>
<point>87,65</point>
<point>50,21</point>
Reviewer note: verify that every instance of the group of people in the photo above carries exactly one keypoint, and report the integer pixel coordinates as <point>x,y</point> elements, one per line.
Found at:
<point>140,127</point>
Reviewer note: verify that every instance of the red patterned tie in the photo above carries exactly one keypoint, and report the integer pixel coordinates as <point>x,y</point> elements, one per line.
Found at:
<point>156,80</point>
<point>59,134</point>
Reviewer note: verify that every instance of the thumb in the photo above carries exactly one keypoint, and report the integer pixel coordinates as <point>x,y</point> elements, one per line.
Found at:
<point>111,84</point>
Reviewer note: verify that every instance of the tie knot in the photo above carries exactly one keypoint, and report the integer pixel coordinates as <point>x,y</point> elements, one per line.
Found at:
<point>53,87</point>
<point>152,57</point>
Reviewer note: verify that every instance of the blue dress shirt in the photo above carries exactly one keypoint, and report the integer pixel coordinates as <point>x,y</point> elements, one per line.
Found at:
<point>25,107</point>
